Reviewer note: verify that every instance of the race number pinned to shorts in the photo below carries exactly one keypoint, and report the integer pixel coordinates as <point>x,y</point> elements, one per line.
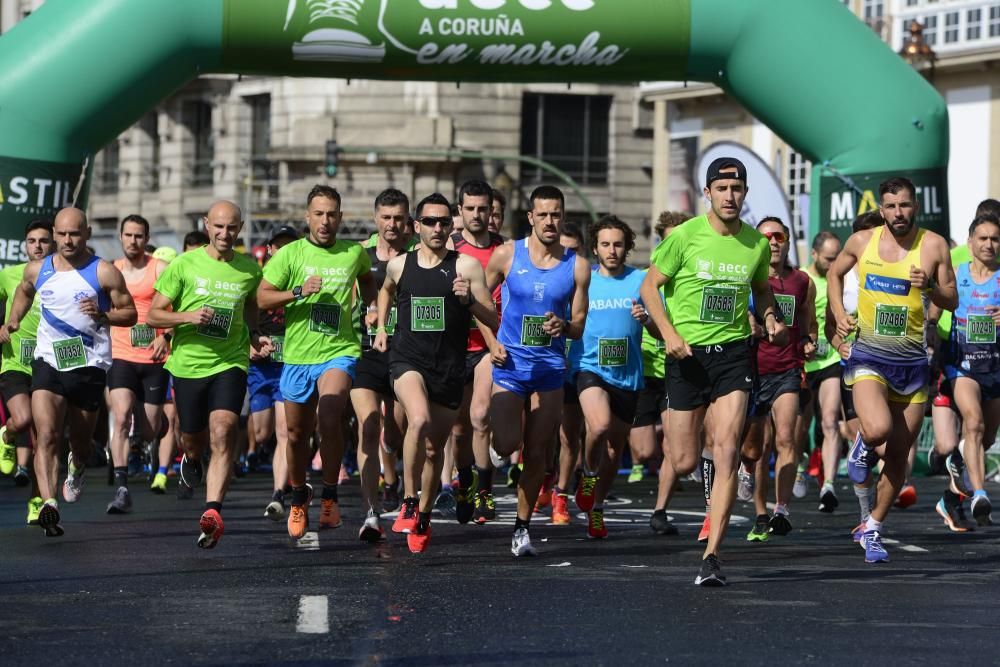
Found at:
<point>718,304</point>
<point>218,327</point>
<point>427,313</point>
<point>981,329</point>
<point>787,304</point>
<point>324,318</point>
<point>612,351</point>
<point>822,346</point>
<point>390,325</point>
<point>69,353</point>
<point>278,353</point>
<point>142,336</point>
<point>532,334</point>
<point>890,320</point>
<point>27,350</point>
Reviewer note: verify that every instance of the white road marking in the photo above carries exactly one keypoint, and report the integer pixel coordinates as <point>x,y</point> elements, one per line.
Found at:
<point>309,542</point>
<point>563,564</point>
<point>314,615</point>
<point>905,547</point>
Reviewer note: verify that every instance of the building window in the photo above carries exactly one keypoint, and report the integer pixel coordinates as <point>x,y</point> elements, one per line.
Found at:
<point>973,24</point>
<point>106,170</point>
<point>930,30</point>
<point>912,3</point>
<point>260,137</point>
<point>995,21</point>
<point>150,125</point>
<point>873,9</point>
<point>951,27</point>
<point>198,119</point>
<point>568,131</point>
<point>798,185</point>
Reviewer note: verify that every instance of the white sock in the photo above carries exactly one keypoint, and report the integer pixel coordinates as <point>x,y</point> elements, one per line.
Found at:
<point>872,524</point>
<point>864,494</point>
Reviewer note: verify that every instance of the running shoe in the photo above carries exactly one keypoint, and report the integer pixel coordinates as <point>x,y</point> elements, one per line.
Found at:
<point>275,510</point>
<point>134,461</point>
<point>661,524</point>
<point>486,509</point>
<point>184,492</point>
<point>982,510</point>
<point>240,467</point>
<point>858,531</point>
<point>465,500</point>
<point>514,474</point>
<point>907,496</point>
<point>445,502</point>
<point>48,518</point>
<point>801,486</point>
<point>406,520</point>
<point>744,491</point>
<point>711,572</point>
<point>8,454</point>
<point>953,516</point>
<point>828,500</point>
<point>21,476</point>
<point>191,472</point>
<point>418,539</point>
<point>497,460</point>
<point>955,465</point>
<point>544,495</point>
<point>859,461</point>
<point>34,507</point>
<point>329,514</point>
<point>705,527</point>
<point>585,492</point>
<point>159,484</point>
<point>779,524</point>
<point>298,521</point>
<point>871,541</point>
<point>211,529</point>
<point>371,531</point>
<point>390,496</point>
<point>122,502</point>
<point>637,473</point>
<point>73,486</point>
<point>560,509</point>
<point>596,530</point>
<point>520,544</point>
<point>761,529</point>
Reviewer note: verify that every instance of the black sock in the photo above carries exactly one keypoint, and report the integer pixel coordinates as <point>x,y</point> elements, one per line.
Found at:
<point>214,506</point>
<point>658,512</point>
<point>521,523</point>
<point>951,498</point>
<point>410,505</point>
<point>423,521</point>
<point>329,492</point>
<point>300,495</point>
<point>278,495</point>
<point>121,476</point>
<point>465,477</point>
<point>485,478</point>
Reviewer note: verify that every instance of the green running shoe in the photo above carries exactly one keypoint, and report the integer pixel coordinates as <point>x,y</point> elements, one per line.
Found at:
<point>159,484</point>
<point>761,529</point>
<point>637,473</point>
<point>8,454</point>
<point>34,507</point>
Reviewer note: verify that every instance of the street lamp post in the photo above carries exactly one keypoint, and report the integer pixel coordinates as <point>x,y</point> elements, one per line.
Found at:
<point>917,52</point>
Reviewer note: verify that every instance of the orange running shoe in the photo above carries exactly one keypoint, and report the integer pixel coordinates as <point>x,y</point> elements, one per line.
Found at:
<point>907,496</point>
<point>545,495</point>
<point>560,511</point>
<point>329,514</point>
<point>418,541</point>
<point>211,529</point>
<point>406,520</point>
<point>703,535</point>
<point>298,521</point>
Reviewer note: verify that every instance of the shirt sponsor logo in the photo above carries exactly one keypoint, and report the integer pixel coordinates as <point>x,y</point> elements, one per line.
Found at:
<point>887,285</point>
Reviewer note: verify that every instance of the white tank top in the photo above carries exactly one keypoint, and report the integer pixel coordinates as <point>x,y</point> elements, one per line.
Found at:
<point>68,339</point>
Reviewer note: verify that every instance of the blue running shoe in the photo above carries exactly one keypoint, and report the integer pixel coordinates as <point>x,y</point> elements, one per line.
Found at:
<point>859,461</point>
<point>858,531</point>
<point>874,551</point>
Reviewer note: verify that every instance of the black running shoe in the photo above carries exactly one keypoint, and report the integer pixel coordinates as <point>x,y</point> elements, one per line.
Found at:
<point>191,472</point>
<point>661,524</point>
<point>828,501</point>
<point>390,497</point>
<point>780,525</point>
<point>184,492</point>
<point>710,573</point>
<point>982,510</point>
<point>955,466</point>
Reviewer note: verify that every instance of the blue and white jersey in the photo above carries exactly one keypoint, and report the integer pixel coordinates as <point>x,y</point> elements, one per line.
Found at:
<point>973,344</point>
<point>612,338</point>
<point>528,293</point>
<point>67,338</point>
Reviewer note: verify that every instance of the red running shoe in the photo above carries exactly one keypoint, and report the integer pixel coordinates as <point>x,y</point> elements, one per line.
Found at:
<point>418,541</point>
<point>907,496</point>
<point>406,520</point>
<point>585,492</point>
<point>560,511</point>
<point>211,529</point>
<point>596,530</point>
<point>703,535</point>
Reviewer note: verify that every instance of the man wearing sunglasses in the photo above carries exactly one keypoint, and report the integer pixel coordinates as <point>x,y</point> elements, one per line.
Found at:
<point>775,404</point>
<point>437,293</point>
<point>708,266</point>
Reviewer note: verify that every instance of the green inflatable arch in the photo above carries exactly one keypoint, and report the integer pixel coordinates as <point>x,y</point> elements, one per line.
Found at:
<point>76,73</point>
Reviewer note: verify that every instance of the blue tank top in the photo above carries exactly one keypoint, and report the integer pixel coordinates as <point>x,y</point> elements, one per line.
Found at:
<point>529,293</point>
<point>612,338</point>
<point>973,339</point>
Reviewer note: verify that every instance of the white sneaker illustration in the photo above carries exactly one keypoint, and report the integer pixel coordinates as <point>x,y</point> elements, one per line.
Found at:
<point>333,32</point>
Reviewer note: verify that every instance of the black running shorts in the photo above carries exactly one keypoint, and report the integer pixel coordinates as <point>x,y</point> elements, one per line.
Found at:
<point>147,381</point>
<point>197,398</point>
<point>83,388</point>
<point>710,372</point>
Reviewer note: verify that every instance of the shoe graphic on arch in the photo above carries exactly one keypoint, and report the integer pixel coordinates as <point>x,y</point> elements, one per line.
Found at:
<point>335,30</point>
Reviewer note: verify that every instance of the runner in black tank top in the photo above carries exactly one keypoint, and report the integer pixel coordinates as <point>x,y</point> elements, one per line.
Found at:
<point>436,291</point>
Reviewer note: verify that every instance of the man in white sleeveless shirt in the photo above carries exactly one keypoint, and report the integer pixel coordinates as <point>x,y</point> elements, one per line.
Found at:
<point>81,297</point>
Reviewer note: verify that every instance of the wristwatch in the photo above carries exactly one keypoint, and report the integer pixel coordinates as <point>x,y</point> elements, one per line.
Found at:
<point>297,292</point>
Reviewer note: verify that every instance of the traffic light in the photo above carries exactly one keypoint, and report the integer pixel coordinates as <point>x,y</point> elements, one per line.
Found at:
<point>332,156</point>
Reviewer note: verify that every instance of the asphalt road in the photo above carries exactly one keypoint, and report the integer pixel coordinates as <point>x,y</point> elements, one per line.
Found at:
<point>125,589</point>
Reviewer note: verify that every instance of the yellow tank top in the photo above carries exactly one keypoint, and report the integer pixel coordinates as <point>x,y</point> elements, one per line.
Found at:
<point>891,312</point>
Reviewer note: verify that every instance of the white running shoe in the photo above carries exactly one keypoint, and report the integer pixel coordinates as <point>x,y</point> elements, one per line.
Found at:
<point>73,486</point>
<point>520,544</point>
<point>746,484</point>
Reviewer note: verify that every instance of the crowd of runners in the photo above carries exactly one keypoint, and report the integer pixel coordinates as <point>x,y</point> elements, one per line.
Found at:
<point>455,351</point>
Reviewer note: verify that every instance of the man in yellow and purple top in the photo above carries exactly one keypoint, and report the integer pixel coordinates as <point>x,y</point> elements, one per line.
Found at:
<point>901,267</point>
<point>709,265</point>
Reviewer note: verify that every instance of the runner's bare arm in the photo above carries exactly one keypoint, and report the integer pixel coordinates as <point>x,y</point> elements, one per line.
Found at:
<point>649,292</point>
<point>385,299</point>
<point>845,261</point>
<point>944,291</point>
<point>162,316</point>
<point>123,312</point>
<point>807,316</point>
<point>270,297</point>
<point>499,265</point>
<point>482,307</point>
<point>23,297</point>
<point>368,294</point>
<point>581,300</point>
<point>251,316</point>
<point>767,309</point>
